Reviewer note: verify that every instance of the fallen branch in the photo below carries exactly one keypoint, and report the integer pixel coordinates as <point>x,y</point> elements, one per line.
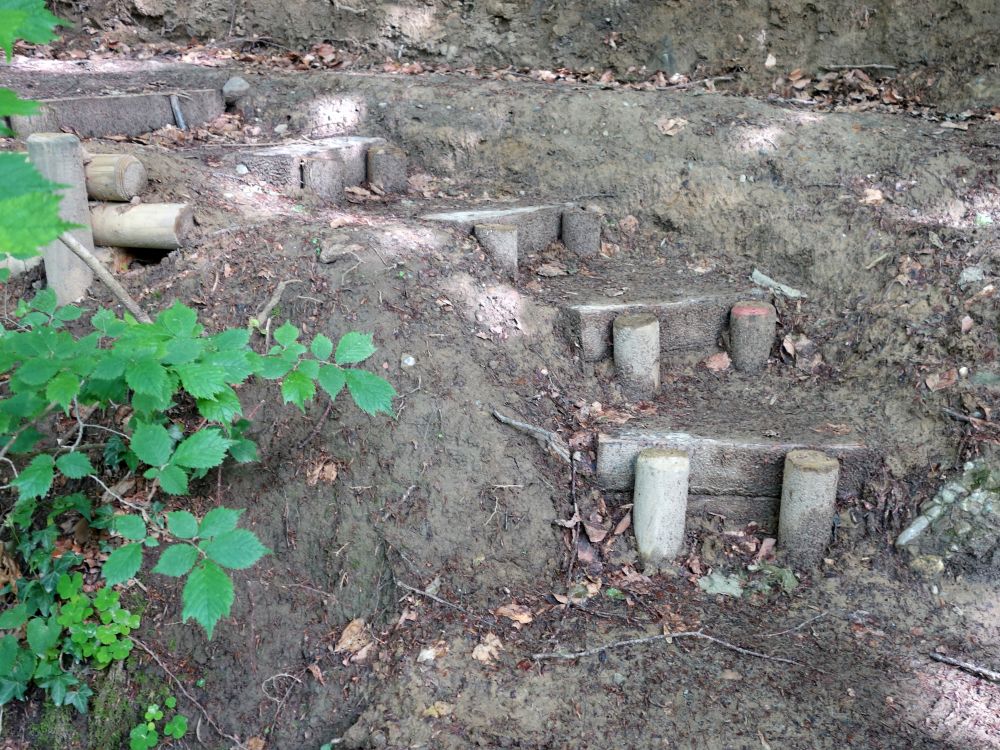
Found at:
<point>105,276</point>
<point>570,655</point>
<point>973,669</point>
<point>265,311</point>
<point>186,694</point>
<point>548,439</point>
<point>862,66</point>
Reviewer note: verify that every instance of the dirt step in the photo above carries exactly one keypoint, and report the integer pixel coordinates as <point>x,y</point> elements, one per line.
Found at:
<point>538,226</point>
<point>742,462</point>
<point>325,166</point>
<point>126,114</point>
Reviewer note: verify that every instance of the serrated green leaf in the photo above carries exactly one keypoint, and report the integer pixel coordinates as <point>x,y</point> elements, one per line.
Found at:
<point>321,347</point>
<point>271,367</point>
<point>297,388</point>
<point>62,389</point>
<point>223,407</point>
<point>149,377</point>
<point>29,20</point>
<point>354,347</point>
<point>152,444</point>
<point>286,334</point>
<point>173,480</point>
<point>371,393</point>
<point>10,104</point>
<point>309,368</point>
<point>36,479</point>
<point>237,549</point>
<point>180,320</point>
<point>74,465</point>
<point>176,560</point>
<point>207,596</point>
<point>29,207</point>
<point>218,521</point>
<point>42,634</point>
<point>243,451</point>
<point>331,379</point>
<point>182,524</point>
<point>202,450</point>
<point>123,563</point>
<point>45,301</point>
<point>202,381</point>
<point>37,371</point>
<point>130,526</point>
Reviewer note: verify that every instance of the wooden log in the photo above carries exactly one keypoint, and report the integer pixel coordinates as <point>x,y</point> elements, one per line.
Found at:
<point>159,226</point>
<point>114,177</point>
<point>59,158</point>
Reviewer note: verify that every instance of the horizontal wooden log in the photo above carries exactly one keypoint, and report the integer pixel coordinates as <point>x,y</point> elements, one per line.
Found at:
<point>114,177</point>
<point>159,226</point>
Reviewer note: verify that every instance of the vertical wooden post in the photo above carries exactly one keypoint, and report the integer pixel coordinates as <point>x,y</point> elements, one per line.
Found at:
<point>59,158</point>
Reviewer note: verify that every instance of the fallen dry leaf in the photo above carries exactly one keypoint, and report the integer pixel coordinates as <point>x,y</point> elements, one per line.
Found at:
<point>325,471</point>
<point>255,743</point>
<point>549,270</point>
<point>437,710</point>
<point>354,638</point>
<point>670,125</point>
<point>940,381</point>
<point>766,550</point>
<point>952,125</point>
<point>771,61</point>
<point>430,653</point>
<point>629,225</point>
<point>487,649</point>
<point>317,673</point>
<point>718,362</point>
<point>967,324</point>
<point>623,525</point>
<point>520,614</point>
<point>732,675</point>
<point>872,197</point>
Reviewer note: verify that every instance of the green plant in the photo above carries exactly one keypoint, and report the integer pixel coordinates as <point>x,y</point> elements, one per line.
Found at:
<point>163,395</point>
<point>144,735</point>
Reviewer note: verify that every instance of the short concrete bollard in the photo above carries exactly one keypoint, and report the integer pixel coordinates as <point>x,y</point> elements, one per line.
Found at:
<point>660,503</point>
<point>235,89</point>
<point>59,158</point>
<point>751,333</point>
<point>500,243</point>
<point>581,232</point>
<point>808,503</point>
<point>387,168</point>
<point>636,340</point>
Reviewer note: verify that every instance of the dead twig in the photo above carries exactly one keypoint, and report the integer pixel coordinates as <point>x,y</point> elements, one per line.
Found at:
<point>437,599</point>
<point>981,672</point>
<point>701,635</point>
<point>105,276</point>
<point>797,627</point>
<point>548,439</point>
<point>186,694</point>
<point>862,66</point>
<point>272,302</point>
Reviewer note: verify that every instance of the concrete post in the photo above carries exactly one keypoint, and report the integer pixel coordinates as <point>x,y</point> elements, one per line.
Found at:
<point>636,340</point>
<point>387,168</point>
<point>59,158</point>
<point>808,503</point>
<point>581,232</point>
<point>751,333</point>
<point>660,503</point>
<point>500,243</point>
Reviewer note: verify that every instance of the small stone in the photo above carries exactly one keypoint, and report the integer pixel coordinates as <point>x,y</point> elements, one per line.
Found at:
<point>971,275</point>
<point>962,528</point>
<point>618,678</point>
<point>407,360</point>
<point>281,129</point>
<point>927,566</point>
<point>242,169</point>
<point>934,512</point>
<point>731,675</point>
<point>235,89</point>
<point>911,532</point>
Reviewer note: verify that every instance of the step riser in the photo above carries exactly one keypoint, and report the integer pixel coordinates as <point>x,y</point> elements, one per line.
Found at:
<point>135,114</point>
<point>537,227</point>
<point>726,467</point>
<point>685,325</point>
<point>288,167</point>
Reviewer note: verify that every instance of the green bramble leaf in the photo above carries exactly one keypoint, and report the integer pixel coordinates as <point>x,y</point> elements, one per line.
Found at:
<point>152,444</point>
<point>297,388</point>
<point>29,206</point>
<point>182,524</point>
<point>10,104</point>
<point>130,526</point>
<point>321,347</point>
<point>36,479</point>
<point>29,20</point>
<point>243,451</point>
<point>371,393</point>
<point>202,381</point>
<point>148,376</point>
<point>173,480</point>
<point>74,465</point>
<point>223,407</point>
<point>123,563</point>
<point>218,521</point>
<point>354,347</point>
<point>207,596</point>
<point>176,560</point>
<point>202,450</point>
<point>62,389</point>
<point>238,549</point>
<point>331,379</point>
<point>286,334</point>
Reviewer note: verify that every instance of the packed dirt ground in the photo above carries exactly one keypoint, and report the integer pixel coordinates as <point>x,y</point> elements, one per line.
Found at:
<point>477,559</point>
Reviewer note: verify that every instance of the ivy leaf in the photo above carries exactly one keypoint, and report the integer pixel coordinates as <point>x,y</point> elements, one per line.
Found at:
<point>42,634</point>
<point>176,560</point>
<point>14,617</point>
<point>371,393</point>
<point>331,379</point>
<point>286,334</point>
<point>321,347</point>
<point>354,347</point>
<point>207,596</point>
<point>152,444</point>
<point>238,549</point>
<point>28,204</point>
<point>297,388</point>
<point>219,521</point>
<point>173,480</point>
<point>36,479</point>
<point>130,526</point>
<point>74,465</point>
<point>123,563</point>
<point>202,450</point>
<point>182,524</point>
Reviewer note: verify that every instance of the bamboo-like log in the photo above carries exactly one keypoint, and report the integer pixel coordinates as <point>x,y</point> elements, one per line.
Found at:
<point>114,177</point>
<point>159,226</point>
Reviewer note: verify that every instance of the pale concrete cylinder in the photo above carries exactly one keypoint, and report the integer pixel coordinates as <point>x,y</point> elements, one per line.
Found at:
<point>500,243</point>
<point>636,340</point>
<point>114,177</point>
<point>387,168</point>
<point>751,334</point>
<point>59,158</point>
<point>808,504</point>
<point>581,232</point>
<point>659,500</point>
